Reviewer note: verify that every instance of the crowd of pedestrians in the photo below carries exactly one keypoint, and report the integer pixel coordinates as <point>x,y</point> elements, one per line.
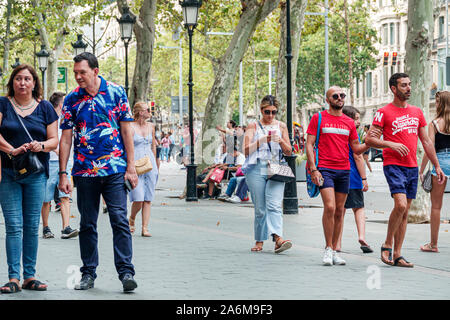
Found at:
<point>106,151</point>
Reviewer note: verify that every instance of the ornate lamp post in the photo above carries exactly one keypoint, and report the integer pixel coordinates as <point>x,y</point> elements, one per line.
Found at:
<point>43,64</point>
<point>190,13</point>
<point>290,201</point>
<point>126,23</point>
<point>79,46</point>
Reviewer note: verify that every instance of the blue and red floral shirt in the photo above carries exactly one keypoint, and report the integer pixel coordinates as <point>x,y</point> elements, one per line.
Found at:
<point>98,145</point>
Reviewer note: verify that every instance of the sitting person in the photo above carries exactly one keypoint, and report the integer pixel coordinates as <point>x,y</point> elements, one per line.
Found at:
<point>238,160</point>
<point>241,193</point>
<point>232,185</point>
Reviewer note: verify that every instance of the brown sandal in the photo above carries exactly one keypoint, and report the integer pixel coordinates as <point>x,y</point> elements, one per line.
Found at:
<point>257,248</point>
<point>282,246</point>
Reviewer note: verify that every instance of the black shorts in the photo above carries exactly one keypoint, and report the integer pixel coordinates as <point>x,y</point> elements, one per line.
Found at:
<point>355,199</point>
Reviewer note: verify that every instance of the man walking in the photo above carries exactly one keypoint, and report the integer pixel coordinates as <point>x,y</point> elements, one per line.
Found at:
<point>401,125</point>
<point>98,115</point>
<point>332,173</point>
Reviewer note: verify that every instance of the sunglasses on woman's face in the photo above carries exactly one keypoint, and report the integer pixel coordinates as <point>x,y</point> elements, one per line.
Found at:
<point>336,96</point>
<point>268,112</point>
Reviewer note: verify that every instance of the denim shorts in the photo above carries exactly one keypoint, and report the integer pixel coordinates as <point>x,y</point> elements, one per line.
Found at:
<point>52,182</point>
<point>444,162</point>
<point>355,199</point>
<point>337,179</point>
<point>402,180</point>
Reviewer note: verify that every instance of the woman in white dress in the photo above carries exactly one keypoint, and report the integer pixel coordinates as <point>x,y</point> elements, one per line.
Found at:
<point>144,145</point>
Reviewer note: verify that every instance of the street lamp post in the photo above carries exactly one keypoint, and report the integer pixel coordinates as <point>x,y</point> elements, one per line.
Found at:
<point>79,46</point>
<point>126,23</point>
<point>190,13</point>
<point>16,64</point>
<point>290,201</point>
<point>43,64</point>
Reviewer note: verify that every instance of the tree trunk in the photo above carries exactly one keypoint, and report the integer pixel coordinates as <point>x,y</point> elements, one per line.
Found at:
<point>52,69</point>
<point>255,81</point>
<point>253,12</point>
<point>417,65</point>
<point>298,8</point>
<point>144,30</point>
<point>6,39</point>
<point>349,53</point>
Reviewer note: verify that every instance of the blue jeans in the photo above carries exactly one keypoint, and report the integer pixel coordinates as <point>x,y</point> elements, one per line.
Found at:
<point>267,196</point>
<point>113,190</point>
<point>232,184</point>
<point>165,153</point>
<point>21,203</point>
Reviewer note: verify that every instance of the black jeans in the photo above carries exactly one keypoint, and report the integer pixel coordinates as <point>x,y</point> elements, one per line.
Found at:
<point>113,190</point>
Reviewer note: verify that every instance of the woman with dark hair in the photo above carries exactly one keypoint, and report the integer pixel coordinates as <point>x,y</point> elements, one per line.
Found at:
<point>265,141</point>
<point>21,198</point>
<point>439,133</point>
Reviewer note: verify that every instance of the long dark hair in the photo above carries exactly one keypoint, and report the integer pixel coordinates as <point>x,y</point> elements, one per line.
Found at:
<point>37,91</point>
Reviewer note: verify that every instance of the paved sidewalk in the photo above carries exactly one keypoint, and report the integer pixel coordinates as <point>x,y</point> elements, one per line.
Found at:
<point>202,251</point>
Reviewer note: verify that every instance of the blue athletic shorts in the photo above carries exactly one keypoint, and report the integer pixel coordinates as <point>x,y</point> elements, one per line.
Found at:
<point>402,180</point>
<point>337,179</point>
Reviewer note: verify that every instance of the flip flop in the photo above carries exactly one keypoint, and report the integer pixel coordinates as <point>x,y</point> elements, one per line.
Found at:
<point>286,244</point>
<point>13,288</point>
<point>407,265</point>
<point>366,249</point>
<point>34,285</point>
<point>388,262</point>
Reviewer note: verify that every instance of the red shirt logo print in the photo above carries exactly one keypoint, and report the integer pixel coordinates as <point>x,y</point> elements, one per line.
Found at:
<point>405,123</point>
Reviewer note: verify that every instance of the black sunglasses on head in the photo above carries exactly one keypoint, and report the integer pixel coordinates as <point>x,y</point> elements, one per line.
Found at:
<point>268,112</point>
<point>336,96</point>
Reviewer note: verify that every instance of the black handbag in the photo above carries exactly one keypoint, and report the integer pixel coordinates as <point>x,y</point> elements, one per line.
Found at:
<point>427,183</point>
<point>27,163</point>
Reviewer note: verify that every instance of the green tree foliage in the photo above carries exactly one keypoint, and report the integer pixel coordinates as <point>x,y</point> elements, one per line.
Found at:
<point>310,72</point>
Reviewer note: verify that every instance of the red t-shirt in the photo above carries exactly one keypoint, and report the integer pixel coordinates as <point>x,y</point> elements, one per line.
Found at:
<point>400,125</point>
<point>335,135</point>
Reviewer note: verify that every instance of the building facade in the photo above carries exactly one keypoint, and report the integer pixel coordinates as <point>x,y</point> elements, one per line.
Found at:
<point>391,21</point>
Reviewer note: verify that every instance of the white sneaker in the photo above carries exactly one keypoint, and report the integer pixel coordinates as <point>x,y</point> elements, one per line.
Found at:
<point>234,199</point>
<point>338,260</point>
<point>328,257</point>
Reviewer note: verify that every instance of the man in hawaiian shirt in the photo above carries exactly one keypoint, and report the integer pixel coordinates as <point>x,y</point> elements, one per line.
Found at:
<point>98,117</point>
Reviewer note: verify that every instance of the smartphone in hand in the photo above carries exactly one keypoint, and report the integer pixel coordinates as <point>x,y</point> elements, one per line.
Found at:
<point>128,185</point>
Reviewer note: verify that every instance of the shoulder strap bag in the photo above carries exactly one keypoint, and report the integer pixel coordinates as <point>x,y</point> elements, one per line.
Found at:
<point>313,189</point>
<point>27,163</point>
<point>278,171</point>
<point>143,165</point>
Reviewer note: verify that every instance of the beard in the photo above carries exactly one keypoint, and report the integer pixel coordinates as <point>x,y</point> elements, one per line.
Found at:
<point>336,106</point>
<point>403,96</point>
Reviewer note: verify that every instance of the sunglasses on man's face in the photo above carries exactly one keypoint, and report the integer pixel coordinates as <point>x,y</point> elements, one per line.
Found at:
<point>336,96</point>
<point>268,112</point>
